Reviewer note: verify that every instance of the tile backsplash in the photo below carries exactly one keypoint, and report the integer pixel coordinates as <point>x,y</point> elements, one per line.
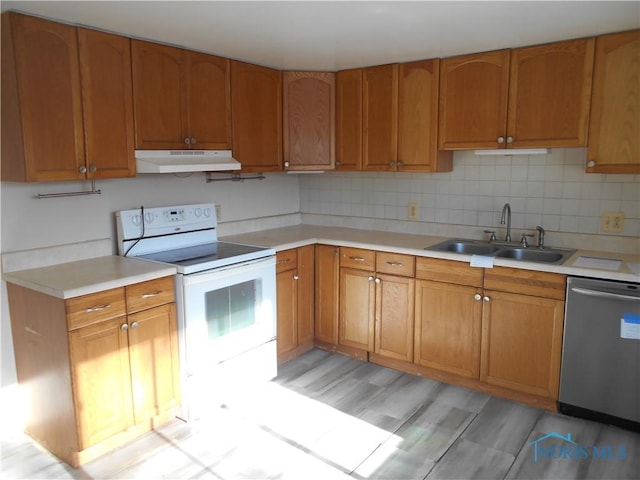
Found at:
<point>550,190</point>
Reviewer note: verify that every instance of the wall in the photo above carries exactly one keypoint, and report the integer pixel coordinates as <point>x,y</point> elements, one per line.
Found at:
<point>549,190</point>
<point>28,222</point>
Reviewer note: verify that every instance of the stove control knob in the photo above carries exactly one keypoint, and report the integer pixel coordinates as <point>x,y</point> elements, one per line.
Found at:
<point>207,212</point>
<point>148,217</point>
<point>136,220</point>
<point>198,212</point>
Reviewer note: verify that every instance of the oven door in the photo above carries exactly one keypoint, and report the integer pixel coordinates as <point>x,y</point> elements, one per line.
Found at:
<point>228,311</point>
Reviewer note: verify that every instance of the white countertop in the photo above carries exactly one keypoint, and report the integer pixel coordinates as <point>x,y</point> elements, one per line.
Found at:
<point>300,235</point>
<point>73,279</point>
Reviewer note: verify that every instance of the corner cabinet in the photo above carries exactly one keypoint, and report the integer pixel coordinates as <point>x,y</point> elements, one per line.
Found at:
<point>256,103</point>
<point>182,98</point>
<point>309,120</point>
<point>536,96</point>
<point>111,359</point>
<point>67,110</point>
<point>349,120</point>
<point>327,271</point>
<point>614,128</point>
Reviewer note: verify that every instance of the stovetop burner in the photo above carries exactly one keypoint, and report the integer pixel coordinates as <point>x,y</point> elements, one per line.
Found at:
<point>213,252</point>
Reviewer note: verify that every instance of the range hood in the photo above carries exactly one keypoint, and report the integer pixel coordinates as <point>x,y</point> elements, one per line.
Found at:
<point>181,161</point>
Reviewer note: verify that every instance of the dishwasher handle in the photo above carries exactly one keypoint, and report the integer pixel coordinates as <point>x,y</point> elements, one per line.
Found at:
<point>600,294</point>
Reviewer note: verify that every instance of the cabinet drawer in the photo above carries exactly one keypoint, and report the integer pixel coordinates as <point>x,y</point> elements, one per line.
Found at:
<point>358,258</point>
<point>395,264</point>
<point>449,271</point>
<point>286,260</point>
<point>94,308</point>
<point>527,282</point>
<point>141,296</point>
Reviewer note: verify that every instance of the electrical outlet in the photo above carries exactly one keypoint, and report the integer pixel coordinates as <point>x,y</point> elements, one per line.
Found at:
<point>413,211</point>
<point>219,212</point>
<point>613,222</point>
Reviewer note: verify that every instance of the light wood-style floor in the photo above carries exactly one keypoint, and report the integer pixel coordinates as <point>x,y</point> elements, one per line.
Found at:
<point>330,417</point>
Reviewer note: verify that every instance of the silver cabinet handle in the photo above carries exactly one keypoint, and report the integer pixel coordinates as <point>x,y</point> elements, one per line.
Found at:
<point>124,327</point>
<point>596,293</point>
<point>134,325</point>
<point>486,299</point>
<point>151,294</point>
<point>93,168</point>
<point>97,308</point>
<point>509,139</point>
<point>395,264</point>
<point>500,140</point>
<point>477,296</point>
<point>392,163</point>
<point>286,260</point>
<point>187,140</point>
<point>371,278</point>
<point>377,280</point>
<point>338,163</point>
<point>193,141</point>
<point>82,169</point>
<point>296,276</point>
<point>591,163</point>
<point>357,259</point>
<point>286,164</point>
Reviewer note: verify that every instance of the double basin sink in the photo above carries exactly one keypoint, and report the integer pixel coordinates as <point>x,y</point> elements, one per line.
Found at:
<point>505,250</point>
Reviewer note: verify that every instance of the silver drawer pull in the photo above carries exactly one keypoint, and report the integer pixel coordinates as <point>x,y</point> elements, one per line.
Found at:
<point>395,264</point>
<point>286,260</point>
<point>151,294</point>
<point>97,308</point>
<point>357,259</point>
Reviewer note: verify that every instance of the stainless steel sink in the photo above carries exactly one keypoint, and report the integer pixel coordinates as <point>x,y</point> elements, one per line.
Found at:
<point>513,252</point>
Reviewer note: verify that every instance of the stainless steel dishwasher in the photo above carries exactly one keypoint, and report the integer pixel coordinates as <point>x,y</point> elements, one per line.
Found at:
<point>600,377</point>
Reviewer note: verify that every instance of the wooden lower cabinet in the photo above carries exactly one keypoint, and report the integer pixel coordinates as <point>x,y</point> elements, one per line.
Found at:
<point>108,375</point>
<point>522,343</point>
<point>357,309</point>
<point>327,271</point>
<point>295,301</point>
<point>394,317</point>
<point>447,335</point>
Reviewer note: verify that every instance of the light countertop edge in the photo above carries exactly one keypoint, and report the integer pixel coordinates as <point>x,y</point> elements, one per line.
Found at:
<point>84,277</point>
<point>411,244</point>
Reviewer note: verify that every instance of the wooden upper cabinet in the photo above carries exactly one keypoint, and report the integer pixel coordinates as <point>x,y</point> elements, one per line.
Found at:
<point>473,100</point>
<point>309,120</point>
<point>380,117</point>
<point>614,127</point>
<point>256,103</point>
<point>209,97</point>
<point>182,98</point>
<point>418,87</point>
<point>550,95</point>
<point>107,99</point>
<point>528,97</point>
<point>349,120</point>
<point>42,131</point>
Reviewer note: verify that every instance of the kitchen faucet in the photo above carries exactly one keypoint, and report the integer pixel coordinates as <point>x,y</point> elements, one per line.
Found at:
<point>540,236</point>
<point>506,210</point>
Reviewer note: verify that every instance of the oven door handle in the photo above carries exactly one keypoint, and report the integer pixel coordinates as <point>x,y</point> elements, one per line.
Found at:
<point>599,294</point>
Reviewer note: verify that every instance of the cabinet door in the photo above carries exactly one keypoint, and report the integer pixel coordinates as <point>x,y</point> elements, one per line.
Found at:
<point>153,346</point>
<point>327,261</point>
<point>357,309</point>
<point>159,88</point>
<point>209,100</point>
<point>447,333</point>
<point>418,118</point>
<point>380,114</point>
<point>473,101</point>
<point>522,343</point>
<point>309,120</point>
<point>306,283</point>
<point>102,380</point>
<point>349,120</point>
<point>614,126</point>
<point>42,130</point>
<point>256,104</point>
<point>287,307</point>
<point>394,317</point>
<point>550,95</point>
<point>107,100</point>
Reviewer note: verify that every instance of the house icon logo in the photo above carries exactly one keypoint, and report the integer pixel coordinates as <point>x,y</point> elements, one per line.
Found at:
<point>537,446</point>
<point>554,446</point>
